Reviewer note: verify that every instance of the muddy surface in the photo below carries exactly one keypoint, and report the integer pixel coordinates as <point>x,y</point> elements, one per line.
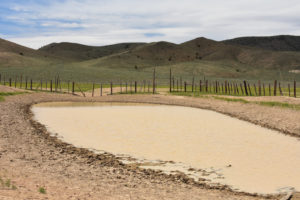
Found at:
<point>237,153</point>
<point>32,159</point>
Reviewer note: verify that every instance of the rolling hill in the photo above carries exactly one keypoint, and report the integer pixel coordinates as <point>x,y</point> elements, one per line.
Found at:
<point>79,52</point>
<point>198,57</point>
<point>274,43</point>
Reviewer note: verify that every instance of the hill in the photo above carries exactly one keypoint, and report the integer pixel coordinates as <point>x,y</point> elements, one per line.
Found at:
<point>79,52</point>
<point>135,61</point>
<point>274,43</point>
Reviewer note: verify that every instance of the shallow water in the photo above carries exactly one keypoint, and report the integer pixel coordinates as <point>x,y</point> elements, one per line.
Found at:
<point>222,149</point>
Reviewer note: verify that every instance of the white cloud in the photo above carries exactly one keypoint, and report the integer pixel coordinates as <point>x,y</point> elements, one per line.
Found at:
<point>110,21</point>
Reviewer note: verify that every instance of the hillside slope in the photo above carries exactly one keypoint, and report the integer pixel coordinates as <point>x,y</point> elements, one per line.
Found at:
<point>274,43</point>
<point>79,52</point>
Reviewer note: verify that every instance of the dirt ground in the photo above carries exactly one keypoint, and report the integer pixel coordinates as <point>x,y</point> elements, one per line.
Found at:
<point>31,159</point>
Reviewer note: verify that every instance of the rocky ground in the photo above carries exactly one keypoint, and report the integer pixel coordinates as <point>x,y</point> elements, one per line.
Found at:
<point>31,160</point>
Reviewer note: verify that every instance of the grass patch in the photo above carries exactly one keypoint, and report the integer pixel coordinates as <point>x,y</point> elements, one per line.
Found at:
<point>42,190</point>
<point>4,94</point>
<point>7,184</point>
<point>278,104</point>
<point>231,99</point>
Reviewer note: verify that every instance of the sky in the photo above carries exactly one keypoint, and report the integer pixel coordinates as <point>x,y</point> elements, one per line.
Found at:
<point>35,23</point>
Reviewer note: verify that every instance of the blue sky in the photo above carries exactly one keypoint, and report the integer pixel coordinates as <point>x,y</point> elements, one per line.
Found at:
<point>35,23</point>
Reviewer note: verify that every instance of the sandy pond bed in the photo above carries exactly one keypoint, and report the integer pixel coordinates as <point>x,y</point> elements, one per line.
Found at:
<point>200,143</point>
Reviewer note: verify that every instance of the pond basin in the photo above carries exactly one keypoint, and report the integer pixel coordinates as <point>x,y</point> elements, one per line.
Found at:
<point>200,143</point>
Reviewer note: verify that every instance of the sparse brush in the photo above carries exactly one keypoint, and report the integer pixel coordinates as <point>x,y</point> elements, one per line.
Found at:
<point>42,190</point>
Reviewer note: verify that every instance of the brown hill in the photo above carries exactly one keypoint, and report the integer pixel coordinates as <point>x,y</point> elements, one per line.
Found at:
<point>79,52</point>
<point>274,43</point>
<point>210,50</point>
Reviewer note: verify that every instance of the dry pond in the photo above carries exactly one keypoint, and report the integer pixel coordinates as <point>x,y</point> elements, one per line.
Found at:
<point>200,143</point>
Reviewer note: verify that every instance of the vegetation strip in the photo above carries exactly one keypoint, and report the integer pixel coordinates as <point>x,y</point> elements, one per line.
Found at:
<point>244,101</point>
<point>3,94</point>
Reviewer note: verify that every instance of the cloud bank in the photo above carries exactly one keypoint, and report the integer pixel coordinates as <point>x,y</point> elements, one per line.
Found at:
<point>35,23</point>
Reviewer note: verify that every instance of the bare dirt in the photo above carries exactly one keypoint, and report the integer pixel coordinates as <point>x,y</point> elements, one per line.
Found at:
<point>32,159</point>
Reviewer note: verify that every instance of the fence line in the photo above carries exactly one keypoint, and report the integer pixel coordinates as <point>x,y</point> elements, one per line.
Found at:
<point>176,85</point>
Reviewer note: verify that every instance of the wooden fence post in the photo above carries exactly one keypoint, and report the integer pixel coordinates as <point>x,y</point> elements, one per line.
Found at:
<point>154,81</point>
<point>245,85</point>
<point>270,94</point>
<point>16,81</point>
<point>259,88</point>
<point>26,82</point>
<point>264,89</point>
<point>177,85</point>
<point>295,89</point>
<point>73,87</point>
<point>101,89</point>
<point>9,82</point>
<point>126,84</point>
<point>289,87</point>
<point>51,85</point>
<point>135,87</point>
<point>193,83</point>
<point>184,86</point>
<point>121,91</point>
<point>30,84</point>
<point>111,88</point>
<point>170,80</point>
<point>275,87</point>
<point>93,89</point>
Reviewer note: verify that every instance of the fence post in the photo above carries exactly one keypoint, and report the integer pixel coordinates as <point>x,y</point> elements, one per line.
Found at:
<point>135,87</point>
<point>0,78</point>
<point>73,87</point>
<point>270,90</point>
<point>111,88</point>
<point>289,87</point>
<point>295,89</point>
<point>275,87</point>
<point>46,85</point>
<point>93,89</point>
<point>200,85</point>
<point>264,89</point>
<point>154,81</point>
<point>30,84</point>
<point>126,84</point>
<point>259,88</point>
<point>26,84</point>
<point>121,87</point>
<point>101,89</point>
<point>9,82</point>
<point>184,86</point>
<point>193,83</point>
<point>245,85</point>
<point>51,85</point>
<point>16,81</point>
<point>170,80</point>
<point>180,84</point>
